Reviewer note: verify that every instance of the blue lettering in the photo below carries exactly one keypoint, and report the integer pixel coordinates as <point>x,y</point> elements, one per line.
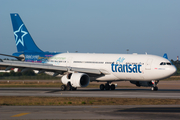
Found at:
<point>116,67</point>
<point>124,67</point>
<point>139,68</point>
<point>120,59</point>
<point>129,68</point>
<point>120,68</point>
<point>112,66</point>
<point>135,68</point>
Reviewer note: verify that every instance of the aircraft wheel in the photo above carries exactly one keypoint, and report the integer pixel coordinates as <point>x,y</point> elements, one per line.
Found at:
<point>102,87</point>
<point>154,88</point>
<point>63,87</point>
<point>107,86</point>
<point>113,87</point>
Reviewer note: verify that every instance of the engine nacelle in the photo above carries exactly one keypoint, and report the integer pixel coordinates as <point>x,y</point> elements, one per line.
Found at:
<point>76,79</point>
<point>144,83</point>
<point>23,56</point>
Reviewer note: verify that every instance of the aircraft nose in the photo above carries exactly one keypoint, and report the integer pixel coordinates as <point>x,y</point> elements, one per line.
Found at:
<point>173,69</point>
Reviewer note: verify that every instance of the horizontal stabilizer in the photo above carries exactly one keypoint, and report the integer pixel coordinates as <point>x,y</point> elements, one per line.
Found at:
<point>18,57</point>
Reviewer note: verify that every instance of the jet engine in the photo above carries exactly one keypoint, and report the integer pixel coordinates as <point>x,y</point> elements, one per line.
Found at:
<point>76,79</point>
<point>23,57</point>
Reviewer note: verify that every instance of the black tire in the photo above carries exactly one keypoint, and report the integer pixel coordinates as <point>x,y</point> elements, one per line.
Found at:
<point>107,86</point>
<point>101,87</point>
<point>113,87</point>
<point>155,88</point>
<point>63,87</point>
<point>137,84</point>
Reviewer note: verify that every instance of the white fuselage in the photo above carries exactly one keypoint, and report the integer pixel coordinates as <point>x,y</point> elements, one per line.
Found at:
<point>133,67</point>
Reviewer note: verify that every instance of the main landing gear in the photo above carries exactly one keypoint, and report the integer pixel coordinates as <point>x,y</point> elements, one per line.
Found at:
<point>68,87</point>
<point>107,86</point>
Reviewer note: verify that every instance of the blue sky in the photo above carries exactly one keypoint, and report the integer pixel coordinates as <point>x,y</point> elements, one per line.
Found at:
<point>96,26</point>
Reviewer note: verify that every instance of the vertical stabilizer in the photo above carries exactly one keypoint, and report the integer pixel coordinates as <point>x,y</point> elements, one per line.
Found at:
<point>23,39</point>
<point>165,56</point>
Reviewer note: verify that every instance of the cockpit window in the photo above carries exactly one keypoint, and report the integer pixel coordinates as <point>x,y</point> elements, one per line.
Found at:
<point>161,63</point>
<point>165,63</point>
<point>168,63</point>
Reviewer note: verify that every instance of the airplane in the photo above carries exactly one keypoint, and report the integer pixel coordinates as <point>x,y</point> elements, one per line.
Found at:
<point>79,69</point>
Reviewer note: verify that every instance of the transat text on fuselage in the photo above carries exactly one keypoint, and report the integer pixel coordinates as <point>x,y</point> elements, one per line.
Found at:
<point>128,67</point>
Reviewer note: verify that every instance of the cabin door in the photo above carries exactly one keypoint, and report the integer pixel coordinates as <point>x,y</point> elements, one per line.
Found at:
<point>148,64</point>
<point>68,62</point>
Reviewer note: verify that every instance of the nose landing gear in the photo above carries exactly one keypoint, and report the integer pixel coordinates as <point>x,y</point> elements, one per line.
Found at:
<point>154,88</point>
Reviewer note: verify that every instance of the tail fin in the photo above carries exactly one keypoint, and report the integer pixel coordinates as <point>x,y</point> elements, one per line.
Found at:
<point>165,56</point>
<point>24,41</point>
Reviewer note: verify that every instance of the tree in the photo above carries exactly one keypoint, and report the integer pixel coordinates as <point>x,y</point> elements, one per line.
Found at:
<point>12,73</point>
<point>29,73</point>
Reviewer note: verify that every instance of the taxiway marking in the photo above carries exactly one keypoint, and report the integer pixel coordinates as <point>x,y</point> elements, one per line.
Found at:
<point>21,114</point>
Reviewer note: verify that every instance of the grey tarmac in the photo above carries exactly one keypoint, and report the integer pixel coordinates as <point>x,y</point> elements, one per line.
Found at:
<point>145,112</point>
<point>167,89</point>
<point>92,92</point>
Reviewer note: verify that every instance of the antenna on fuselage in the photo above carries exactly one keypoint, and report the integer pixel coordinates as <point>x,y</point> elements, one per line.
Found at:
<point>127,51</point>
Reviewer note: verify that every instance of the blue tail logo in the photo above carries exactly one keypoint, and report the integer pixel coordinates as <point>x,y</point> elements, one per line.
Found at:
<point>165,56</point>
<point>23,39</point>
<point>19,35</point>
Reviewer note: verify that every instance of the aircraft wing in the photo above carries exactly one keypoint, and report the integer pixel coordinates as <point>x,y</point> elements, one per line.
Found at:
<point>45,67</point>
